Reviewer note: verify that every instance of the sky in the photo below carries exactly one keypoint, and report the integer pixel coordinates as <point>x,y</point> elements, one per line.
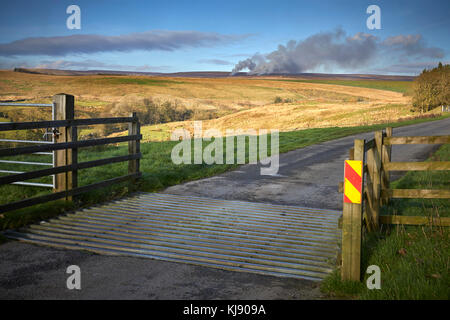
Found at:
<point>263,36</point>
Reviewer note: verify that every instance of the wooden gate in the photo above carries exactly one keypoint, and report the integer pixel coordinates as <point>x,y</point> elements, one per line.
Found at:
<point>375,155</point>
<point>66,146</point>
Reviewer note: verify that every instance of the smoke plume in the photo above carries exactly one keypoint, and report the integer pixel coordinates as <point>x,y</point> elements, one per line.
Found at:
<point>331,49</point>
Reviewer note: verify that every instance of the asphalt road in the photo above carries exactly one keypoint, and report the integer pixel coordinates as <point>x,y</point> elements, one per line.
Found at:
<point>307,177</point>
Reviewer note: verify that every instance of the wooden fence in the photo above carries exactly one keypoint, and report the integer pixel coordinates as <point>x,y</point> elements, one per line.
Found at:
<point>66,146</point>
<point>375,155</point>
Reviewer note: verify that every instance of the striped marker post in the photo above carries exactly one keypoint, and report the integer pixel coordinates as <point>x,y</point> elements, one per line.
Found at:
<point>353,181</point>
<point>352,214</point>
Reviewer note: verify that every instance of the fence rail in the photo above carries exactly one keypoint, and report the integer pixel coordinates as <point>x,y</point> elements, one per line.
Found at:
<point>66,145</point>
<point>416,140</point>
<point>20,104</point>
<point>375,156</point>
<point>65,149</point>
<point>5,126</point>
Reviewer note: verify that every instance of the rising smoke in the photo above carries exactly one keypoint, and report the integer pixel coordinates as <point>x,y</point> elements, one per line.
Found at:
<point>328,49</point>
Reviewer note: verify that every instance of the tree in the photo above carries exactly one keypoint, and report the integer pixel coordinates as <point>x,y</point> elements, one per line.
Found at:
<point>431,88</point>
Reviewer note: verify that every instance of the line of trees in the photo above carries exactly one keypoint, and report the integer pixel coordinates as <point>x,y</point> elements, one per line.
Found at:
<point>431,89</point>
<point>148,110</point>
<point>152,111</point>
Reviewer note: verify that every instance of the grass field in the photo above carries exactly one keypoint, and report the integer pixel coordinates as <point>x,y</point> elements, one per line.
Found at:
<point>222,103</point>
<point>291,117</point>
<point>390,85</point>
<point>223,96</point>
<point>414,260</point>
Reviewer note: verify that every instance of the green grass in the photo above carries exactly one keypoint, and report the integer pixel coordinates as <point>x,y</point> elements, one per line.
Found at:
<point>414,260</point>
<point>390,85</point>
<point>20,135</point>
<point>159,132</point>
<point>423,180</point>
<point>158,171</point>
<point>302,138</point>
<point>413,263</point>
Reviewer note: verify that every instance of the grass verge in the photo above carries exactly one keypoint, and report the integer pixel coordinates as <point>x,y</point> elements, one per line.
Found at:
<point>414,260</point>
<point>158,170</point>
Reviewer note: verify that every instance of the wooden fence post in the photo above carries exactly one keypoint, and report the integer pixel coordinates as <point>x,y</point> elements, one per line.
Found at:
<point>376,200</point>
<point>369,210</point>
<point>386,153</point>
<point>351,230</point>
<point>134,147</point>
<point>65,110</point>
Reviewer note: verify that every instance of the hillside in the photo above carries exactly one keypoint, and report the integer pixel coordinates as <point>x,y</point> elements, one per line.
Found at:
<point>216,74</point>
<point>269,102</point>
<point>303,106</point>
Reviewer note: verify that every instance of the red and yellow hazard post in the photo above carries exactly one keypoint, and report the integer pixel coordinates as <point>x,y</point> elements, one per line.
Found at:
<point>353,181</point>
<point>352,214</point>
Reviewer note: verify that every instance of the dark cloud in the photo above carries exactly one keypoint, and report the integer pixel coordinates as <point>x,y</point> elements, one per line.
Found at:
<point>92,43</point>
<point>79,65</point>
<point>412,45</point>
<point>215,61</point>
<point>331,49</point>
<point>9,64</point>
<point>94,64</point>
<point>408,68</point>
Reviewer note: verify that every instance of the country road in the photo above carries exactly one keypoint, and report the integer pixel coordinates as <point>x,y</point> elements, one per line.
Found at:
<point>307,177</point>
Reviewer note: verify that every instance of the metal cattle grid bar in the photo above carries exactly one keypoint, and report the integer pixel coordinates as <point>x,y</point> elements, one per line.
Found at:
<point>277,240</point>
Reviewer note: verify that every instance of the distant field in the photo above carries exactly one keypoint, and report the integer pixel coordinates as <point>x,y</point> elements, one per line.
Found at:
<point>390,85</point>
<point>165,103</point>
<point>127,80</point>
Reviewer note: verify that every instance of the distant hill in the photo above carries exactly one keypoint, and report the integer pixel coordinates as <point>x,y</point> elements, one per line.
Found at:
<point>165,102</point>
<point>336,76</point>
<point>216,74</point>
<point>57,72</point>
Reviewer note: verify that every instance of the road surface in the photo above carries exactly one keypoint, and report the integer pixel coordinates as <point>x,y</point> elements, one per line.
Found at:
<point>307,177</point>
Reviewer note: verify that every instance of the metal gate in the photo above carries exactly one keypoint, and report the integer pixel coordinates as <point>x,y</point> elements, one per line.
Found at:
<point>48,138</point>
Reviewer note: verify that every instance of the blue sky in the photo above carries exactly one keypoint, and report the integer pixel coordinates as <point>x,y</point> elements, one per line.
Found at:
<point>215,35</point>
